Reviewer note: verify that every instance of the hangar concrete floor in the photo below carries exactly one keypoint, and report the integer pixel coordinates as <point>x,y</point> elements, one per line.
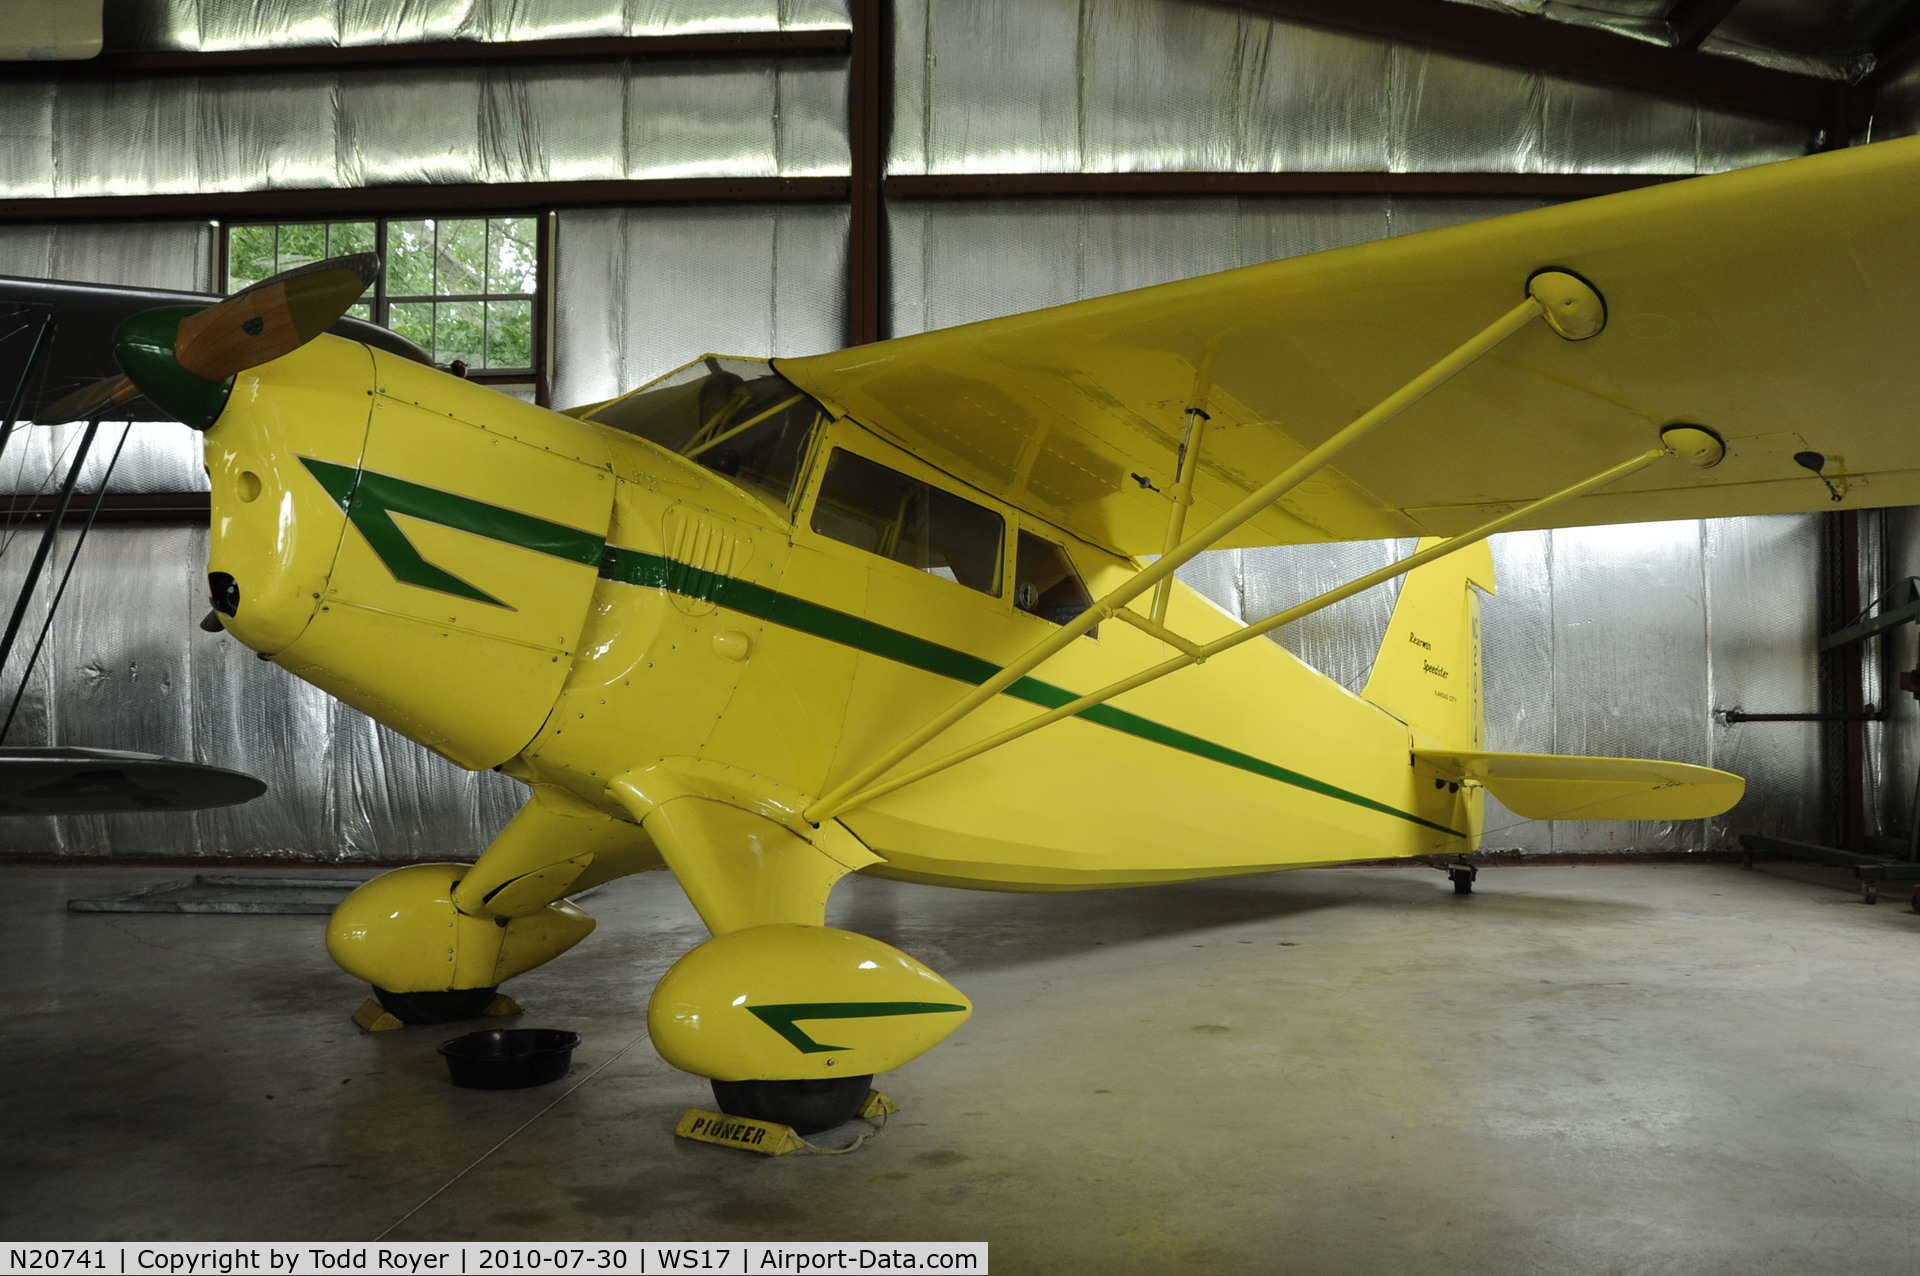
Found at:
<point>1576,1069</point>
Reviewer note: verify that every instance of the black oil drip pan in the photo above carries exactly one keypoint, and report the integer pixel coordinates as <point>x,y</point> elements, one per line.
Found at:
<point>509,1058</point>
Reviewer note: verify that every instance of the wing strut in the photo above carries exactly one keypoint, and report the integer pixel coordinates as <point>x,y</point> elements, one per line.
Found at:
<point>1194,654</point>
<point>1569,306</point>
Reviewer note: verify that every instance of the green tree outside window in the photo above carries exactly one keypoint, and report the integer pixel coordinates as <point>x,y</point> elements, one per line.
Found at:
<point>460,288</point>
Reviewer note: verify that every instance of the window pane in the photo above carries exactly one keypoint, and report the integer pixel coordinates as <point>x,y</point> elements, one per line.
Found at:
<point>510,264</point>
<point>301,244</point>
<point>249,255</point>
<point>867,505</point>
<point>734,416</point>
<point>1044,582</point>
<point>457,332</point>
<point>361,310</point>
<point>410,261</point>
<point>460,266</point>
<point>509,334</point>
<point>349,237</point>
<point>414,321</point>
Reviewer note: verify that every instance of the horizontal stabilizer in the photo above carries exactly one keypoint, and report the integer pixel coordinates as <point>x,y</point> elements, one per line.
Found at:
<point>1544,786</point>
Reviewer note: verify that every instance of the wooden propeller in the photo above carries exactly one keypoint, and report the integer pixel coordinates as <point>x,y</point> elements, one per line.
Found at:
<point>274,317</point>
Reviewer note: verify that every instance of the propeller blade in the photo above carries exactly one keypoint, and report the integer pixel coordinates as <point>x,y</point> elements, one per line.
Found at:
<point>82,402</point>
<point>274,317</point>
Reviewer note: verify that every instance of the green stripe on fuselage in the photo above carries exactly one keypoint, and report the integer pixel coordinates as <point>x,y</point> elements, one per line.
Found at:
<point>633,567</point>
<point>371,499</point>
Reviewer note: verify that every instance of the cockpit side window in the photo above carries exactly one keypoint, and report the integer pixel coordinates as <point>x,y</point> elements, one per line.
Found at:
<point>734,416</point>
<point>864,504</point>
<point>1045,584</point>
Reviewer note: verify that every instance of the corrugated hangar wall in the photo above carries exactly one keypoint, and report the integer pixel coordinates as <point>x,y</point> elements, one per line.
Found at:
<point>1616,640</point>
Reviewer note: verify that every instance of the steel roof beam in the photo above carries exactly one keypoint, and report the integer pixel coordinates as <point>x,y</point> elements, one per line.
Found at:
<point>1581,53</point>
<point>1694,20</point>
<point>1898,47</point>
<point>1100,185</point>
<point>447,200</point>
<point>444,53</point>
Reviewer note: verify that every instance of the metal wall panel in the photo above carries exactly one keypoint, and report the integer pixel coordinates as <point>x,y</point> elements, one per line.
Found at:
<point>1341,641</point>
<point>252,716</point>
<point>1899,753</point>
<point>738,118</point>
<point>26,139</point>
<point>120,668</point>
<point>404,129</point>
<point>1761,599</point>
<point>1517,664</point>
<point>126,136</point>
<point>176,255</point>
<point>1453,115</point>
<point>642,291</point>
<point>262,132</point>
<point>1059,86</point>
<point>1630,662</point>
<point>317,129</point>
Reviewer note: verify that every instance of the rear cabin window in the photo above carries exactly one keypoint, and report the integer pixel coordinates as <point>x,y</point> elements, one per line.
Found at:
<point>737,417</point>
<point>864,504</point>
<point>1044,582</point>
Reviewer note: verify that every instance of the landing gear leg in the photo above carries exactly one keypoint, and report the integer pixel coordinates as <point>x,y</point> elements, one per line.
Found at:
<point>1462,875</point>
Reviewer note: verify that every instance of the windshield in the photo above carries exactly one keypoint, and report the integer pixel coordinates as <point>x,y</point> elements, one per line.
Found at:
<point>737,417</point>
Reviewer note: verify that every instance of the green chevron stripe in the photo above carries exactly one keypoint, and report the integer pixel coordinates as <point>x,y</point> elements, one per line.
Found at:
<point>785,1020</point>
<point>371,500</point>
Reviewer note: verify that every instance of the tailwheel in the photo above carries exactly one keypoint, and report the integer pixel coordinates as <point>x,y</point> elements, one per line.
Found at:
<point>436,1007</point>
<point>808,1106</point>
<point>1462,875</point>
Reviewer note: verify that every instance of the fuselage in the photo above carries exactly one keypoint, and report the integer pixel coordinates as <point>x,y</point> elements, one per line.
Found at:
<point>569,601</point>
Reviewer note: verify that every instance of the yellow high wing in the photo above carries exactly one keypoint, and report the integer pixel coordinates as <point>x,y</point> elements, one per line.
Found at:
<point>1778,306</point>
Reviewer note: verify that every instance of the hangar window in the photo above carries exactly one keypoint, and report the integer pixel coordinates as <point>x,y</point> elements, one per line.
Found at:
<point>463,289</point>
<point>894,515</point>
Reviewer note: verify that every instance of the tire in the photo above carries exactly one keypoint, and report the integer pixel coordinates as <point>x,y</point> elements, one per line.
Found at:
<point>808,1106</point>
<point>1462,884</point>
<point>436,1007</point>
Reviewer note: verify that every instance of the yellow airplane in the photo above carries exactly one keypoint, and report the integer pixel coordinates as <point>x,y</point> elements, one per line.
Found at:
<point>908,609</point>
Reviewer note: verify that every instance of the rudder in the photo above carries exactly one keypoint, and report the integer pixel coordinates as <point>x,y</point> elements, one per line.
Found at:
<point>1427,672</point>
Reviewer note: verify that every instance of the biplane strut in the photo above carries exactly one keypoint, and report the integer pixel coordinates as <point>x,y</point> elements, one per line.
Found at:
<point>1571,307</point>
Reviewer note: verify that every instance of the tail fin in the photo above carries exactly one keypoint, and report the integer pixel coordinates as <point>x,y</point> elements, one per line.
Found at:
<point>1427,673</point>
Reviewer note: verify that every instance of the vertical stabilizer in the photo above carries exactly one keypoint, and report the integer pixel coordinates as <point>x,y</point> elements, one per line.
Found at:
<point>1427,673</point>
